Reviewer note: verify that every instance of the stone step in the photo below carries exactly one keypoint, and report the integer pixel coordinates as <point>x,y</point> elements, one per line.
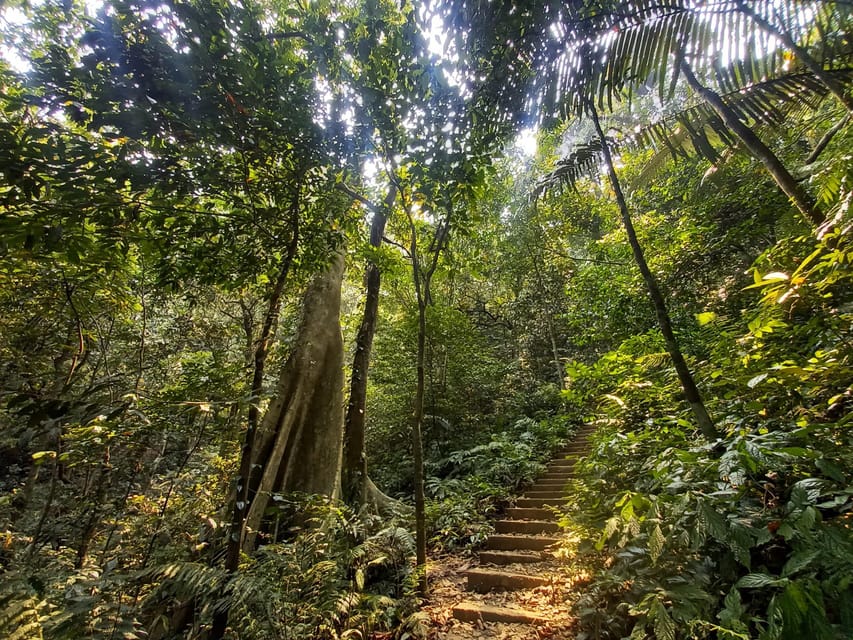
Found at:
<point>577,445</point>
<point>507,542</point>
<point>548,493</point>
<point>553,478</point>
<point>557,475</point>
<point>557,486</point>
<point>510,557</point>
<point>526,526</point>
<point>559,468</point>
<point>548,483</point>
<point>478,612</point>
<point>530,514</point>
<point>538,503</point>
<point>583,438</point>
<point>562,479</point>
<point>485,580</point>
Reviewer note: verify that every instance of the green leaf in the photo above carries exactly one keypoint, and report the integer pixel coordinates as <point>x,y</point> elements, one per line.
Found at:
<point>656,543</point>
<point>39,457</point>
<point>830,469</point>
<point>754,382</point>
<point>663,623</point>
<point>759,580</point>
<point>712,521</point>
<point>705,318</point>
<point>799,561</point>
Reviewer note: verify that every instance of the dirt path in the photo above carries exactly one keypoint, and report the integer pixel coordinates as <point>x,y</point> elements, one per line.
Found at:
<point>551,603</point>
<point>523,584</point>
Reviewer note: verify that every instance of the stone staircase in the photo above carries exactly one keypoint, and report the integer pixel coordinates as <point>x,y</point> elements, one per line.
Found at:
<point>516,555</point>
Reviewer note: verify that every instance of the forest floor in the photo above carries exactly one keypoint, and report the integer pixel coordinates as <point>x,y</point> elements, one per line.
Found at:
<point>551,603</point>
<point>474,599</point>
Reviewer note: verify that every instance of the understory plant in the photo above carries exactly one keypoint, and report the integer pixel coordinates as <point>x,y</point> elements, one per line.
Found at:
<point>748,536</point>
<point>330,573</point>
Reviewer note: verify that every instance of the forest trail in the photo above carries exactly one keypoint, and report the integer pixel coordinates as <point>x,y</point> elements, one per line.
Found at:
<point>523,585</point>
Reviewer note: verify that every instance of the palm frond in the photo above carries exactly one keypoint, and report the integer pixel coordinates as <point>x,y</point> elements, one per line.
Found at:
<point>583,161</point>
<point>554,61</point>
<point>642,42</point>
<point>699,130</point>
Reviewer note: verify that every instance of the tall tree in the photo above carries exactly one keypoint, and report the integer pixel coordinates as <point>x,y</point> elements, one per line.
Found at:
<point>685,376</point>
<point>357,488</point>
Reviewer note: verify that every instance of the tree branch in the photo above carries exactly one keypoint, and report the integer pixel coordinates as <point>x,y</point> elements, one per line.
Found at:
<point>289,35</point>
<point>355,195</point>
<point>827,138</point>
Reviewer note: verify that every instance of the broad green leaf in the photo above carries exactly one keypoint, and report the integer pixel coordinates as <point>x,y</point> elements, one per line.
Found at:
<point>759,580</point>
<point>656,543</point>
<point>799,561</point>
<point>664,625</point>
<point>705,318</point>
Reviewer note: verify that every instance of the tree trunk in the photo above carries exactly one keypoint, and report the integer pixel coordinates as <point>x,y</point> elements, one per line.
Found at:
<point>756,147</point>
<point>354,479</point>
<point>418,450</point>
<point>691,392</point>
<point>300,440</point>
<point>244,490</point>
<point>421,282</point>
<point>298,444</point>
<point>248,476</point>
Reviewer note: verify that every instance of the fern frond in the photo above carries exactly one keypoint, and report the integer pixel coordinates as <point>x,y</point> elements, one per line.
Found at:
<point>184,580</point>
<point>655,360</point>
<point>20,617</point>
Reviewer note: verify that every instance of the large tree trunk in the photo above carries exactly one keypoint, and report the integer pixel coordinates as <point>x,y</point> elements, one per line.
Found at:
<point>691,392</point>
<point>756,147</point>
<point>298,444</point>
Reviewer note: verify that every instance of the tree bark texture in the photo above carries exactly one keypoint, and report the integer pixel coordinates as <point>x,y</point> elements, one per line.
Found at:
<point>299,442</point>
<point>756,147</point>
<point>691,391</point>
<point>356,488</point>
<point>297,446</point>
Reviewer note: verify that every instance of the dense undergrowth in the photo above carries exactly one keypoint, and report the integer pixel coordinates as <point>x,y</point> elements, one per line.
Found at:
<point>749,536</point>
<point>326,572</point>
